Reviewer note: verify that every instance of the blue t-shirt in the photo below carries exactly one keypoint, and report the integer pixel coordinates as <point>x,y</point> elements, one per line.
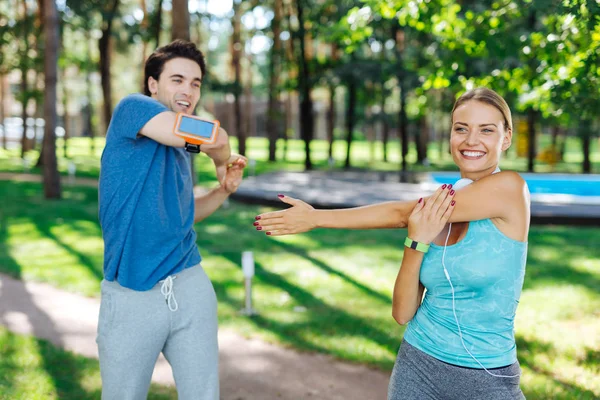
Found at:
<point>146,201</point>
<point>487,269</point>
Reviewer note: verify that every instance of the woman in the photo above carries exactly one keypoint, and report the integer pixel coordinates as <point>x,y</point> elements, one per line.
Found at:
<point>459,342</point>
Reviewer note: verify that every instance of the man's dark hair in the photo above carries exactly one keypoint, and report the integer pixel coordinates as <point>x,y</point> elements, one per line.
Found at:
<point>176,49</point>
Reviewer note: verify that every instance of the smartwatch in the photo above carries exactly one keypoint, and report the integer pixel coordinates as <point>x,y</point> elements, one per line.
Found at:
<point>422,247</point>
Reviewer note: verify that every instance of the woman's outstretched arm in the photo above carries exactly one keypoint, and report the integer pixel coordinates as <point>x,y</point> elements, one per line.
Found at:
<point>503,195</point>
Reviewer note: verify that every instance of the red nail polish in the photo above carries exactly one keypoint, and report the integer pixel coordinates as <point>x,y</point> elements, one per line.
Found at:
<point>420,200</point>
<point>269,233</point>
<point>452,192</point>
<point>259,228</point>
<point>452,202</point>
<point>450,186</point>
<point>444,186</point>
<point>257,217</point>
<point>280,196</point>
<point>256,224</point>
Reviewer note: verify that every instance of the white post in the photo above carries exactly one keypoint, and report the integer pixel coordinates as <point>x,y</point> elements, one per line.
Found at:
<point>252,169</point>
<point>71,169</point>
<point>248,271</point>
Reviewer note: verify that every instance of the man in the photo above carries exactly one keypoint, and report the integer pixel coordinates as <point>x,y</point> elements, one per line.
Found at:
<point>155,295</point>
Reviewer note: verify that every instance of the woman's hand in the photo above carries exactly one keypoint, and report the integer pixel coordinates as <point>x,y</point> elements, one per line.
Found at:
<point>296,219</point>
<point>427,220</point>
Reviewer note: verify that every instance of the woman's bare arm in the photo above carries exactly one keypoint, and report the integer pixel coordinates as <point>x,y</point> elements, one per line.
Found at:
<point>424,224</point>
<point>503,195</point>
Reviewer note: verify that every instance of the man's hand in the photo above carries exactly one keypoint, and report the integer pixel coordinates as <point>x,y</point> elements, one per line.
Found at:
<point>234,173</point>
<point>219,152</point>
<point>223,168</point>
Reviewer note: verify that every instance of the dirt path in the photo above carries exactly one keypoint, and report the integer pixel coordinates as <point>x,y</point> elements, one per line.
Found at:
<point>250,369</point>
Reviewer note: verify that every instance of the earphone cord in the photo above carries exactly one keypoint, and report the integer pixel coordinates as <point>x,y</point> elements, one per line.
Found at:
<point>454,311</point>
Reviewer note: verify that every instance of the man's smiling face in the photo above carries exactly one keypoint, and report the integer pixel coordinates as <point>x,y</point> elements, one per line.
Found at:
<point>178,86</point>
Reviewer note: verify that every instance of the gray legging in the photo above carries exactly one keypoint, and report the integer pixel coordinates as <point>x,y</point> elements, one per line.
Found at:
<point>418,375</point>
<point>134,327</point>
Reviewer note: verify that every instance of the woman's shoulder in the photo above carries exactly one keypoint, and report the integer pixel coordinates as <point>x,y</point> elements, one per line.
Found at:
<point>510,182</point>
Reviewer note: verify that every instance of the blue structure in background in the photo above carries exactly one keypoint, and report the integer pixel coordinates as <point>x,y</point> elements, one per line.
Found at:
<point>574,185</point>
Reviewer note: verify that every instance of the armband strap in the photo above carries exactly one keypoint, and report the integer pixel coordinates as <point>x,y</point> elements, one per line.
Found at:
<point>192,148</point>
<point>422,247</point>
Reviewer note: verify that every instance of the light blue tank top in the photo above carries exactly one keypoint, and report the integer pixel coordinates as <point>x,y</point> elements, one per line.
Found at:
<point>487,271</point>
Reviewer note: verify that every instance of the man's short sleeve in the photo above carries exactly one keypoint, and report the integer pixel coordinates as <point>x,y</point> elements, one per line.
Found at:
<point>132,113</point>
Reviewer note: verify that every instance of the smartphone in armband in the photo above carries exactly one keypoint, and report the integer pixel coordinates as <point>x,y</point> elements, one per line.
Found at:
<point>195,131</point>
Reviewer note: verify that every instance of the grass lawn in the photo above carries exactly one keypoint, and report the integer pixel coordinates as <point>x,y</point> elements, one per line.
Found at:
<point>87,162</point>
<point>33,369</point>
<point>326,291</point>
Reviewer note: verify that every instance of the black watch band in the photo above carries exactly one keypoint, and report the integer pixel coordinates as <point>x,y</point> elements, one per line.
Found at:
<point>192,148</point>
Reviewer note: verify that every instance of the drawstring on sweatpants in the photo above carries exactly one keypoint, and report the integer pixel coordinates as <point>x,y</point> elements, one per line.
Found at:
<point>167,290</point>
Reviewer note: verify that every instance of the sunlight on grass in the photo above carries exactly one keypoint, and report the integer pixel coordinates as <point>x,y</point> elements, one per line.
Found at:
<point>327,291</point>
<point>34,369</point>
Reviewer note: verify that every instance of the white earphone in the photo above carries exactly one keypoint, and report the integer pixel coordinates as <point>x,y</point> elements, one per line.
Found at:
<point>458,185</point>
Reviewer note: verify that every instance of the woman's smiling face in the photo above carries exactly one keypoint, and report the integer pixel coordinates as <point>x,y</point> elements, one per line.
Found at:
<point>478,137</point>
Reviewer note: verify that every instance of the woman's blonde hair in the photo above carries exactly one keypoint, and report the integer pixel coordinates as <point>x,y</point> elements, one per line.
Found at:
<point>487,96</point>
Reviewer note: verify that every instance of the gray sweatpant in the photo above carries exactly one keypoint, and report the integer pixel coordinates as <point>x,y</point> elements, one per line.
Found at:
<point>134,327</point>
<point>419,376</point>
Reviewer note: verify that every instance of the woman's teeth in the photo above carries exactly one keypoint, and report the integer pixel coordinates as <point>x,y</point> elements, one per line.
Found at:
<point>473,153</point>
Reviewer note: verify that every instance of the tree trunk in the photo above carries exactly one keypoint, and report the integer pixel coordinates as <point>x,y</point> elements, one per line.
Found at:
<point>402,120</point>
<point>555,135</point>
<point>157,22</point>
<point>586,144</point>
<point>248,112</point>
<point>66,125</point>
<point>144,28</point>
<point>3,112</point>
<point>51,177</point>
<point>180,28</point>
<point>105,61</point>
<point>306,105</point>
<point>350,120</point>
<point>289,113</point>
<point>274,114</point>
<point>331,121</point>
<point>531,113</point>
<point>24,85</point>
<point>384,125</point>
<point>403,126</point>
<point>422,139</point>
<point>89,109</point>
<point>531,118</point>
<point>236,56</point>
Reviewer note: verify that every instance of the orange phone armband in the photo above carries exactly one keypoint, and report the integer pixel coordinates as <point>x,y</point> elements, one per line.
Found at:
<point>195,131</point>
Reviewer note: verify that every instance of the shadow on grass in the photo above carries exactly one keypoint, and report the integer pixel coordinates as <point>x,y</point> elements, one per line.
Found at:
<point>16,301</point>
<point>334,321</point>
<point>527,349</point>
<point>69,370</point>
<point>73,376</point>
<point>592,359</point>
<point>364,288</point>
<point>573,243</point>
<point>88,262</point>
<point>8,366</point>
